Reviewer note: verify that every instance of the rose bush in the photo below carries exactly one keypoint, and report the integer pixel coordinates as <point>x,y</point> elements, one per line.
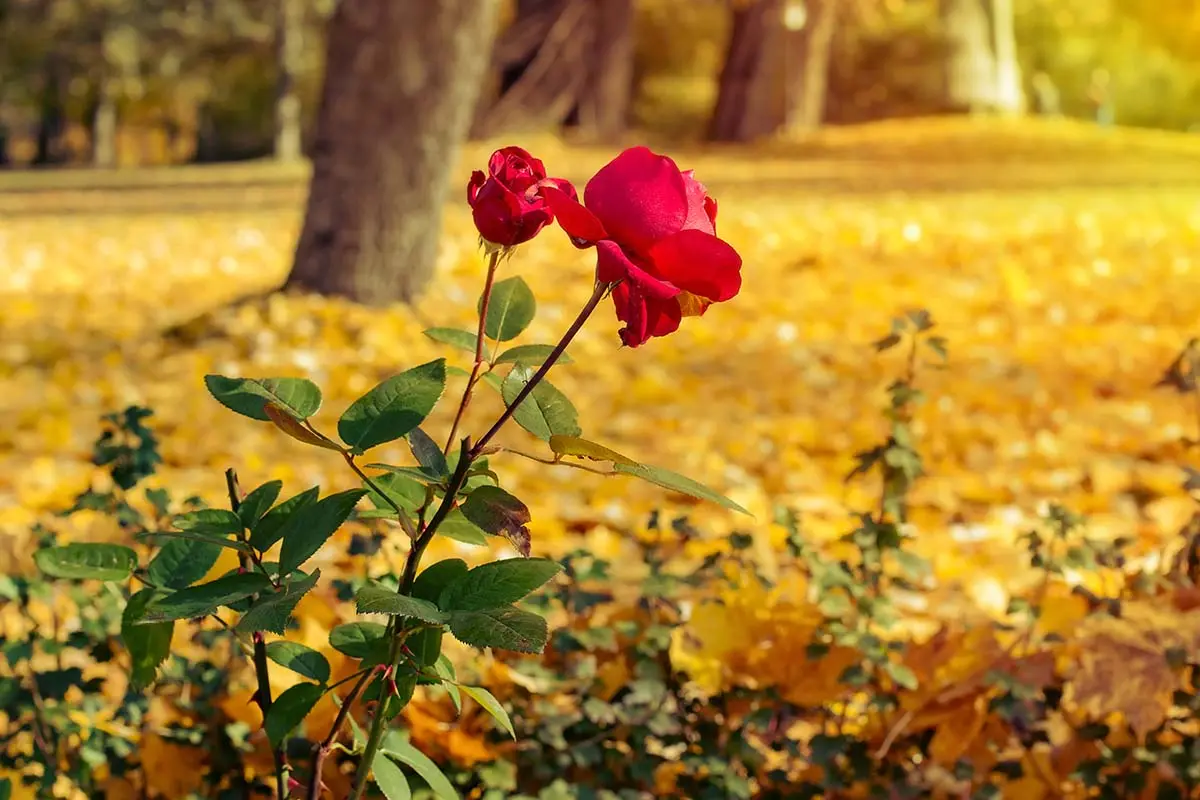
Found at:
<point>666,254</point>
<point>654,229</point>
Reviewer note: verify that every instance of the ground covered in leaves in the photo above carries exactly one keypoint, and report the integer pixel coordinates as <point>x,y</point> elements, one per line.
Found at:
<point>1060,264</point>
<point>1063,294</point>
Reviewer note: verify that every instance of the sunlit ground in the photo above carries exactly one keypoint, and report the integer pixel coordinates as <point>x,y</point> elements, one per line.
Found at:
<point>1061,263</point>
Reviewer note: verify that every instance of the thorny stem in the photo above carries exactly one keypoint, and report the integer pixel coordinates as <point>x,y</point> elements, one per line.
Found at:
<point>467,456</point>
<point>597,295</point>
<point>263,695</point>
<point>554,462</point>
<point>493,262</point>
<point>400,515</point>
<point>321,751</point>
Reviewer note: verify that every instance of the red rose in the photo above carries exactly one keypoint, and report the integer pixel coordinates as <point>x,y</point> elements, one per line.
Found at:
<point>507,205</point>
<point>654,230</point>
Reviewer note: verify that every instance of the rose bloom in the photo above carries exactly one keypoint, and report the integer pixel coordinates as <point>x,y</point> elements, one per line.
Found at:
<point>654,230</point>
<point>507,204</point>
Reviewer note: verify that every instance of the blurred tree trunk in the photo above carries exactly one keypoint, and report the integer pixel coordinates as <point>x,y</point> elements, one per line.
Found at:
<point>289,50</point>
<point>808,54</point>
<point>1010,96</point>
<point>608,91</point>
<point>401,80</point>
<point>52,121</point>
<point>971,69</point>
<point>750,92</point>
<point>542,59</point>
<point>104,125</point>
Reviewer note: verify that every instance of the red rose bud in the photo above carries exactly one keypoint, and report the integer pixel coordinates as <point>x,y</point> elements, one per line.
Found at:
<point>507,204</point>
<point>654,229</point>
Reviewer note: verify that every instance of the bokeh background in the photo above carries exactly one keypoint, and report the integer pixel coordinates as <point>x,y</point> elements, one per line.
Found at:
<point>1026,170</point>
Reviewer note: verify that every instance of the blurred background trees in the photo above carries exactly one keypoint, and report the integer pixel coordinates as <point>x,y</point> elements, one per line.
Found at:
<point>128,82</point>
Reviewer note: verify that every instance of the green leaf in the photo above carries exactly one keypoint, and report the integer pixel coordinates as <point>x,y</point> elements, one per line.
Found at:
<point>678,483</point>
<point>510,309</point>
<point>396,745</point>
<point>498,583</point>
<point>87,561</point>
<point>312,525</point>
<point>400,489</point>
<point>503,628</point>
<point>546,411</point>
<point>272,611</point>
<point>491,705</point>
<point>464,340</point>
<point>532,354</point>
<point>901,674</point>
<point>390,778</point>
<point>394,407</point>
<point>249,396</point>
<point>376,599</point>
<point>289,710</point>
<point>300,659</point>
<point>213,521</point>
<point>198,601</point>
<point>436,578</point>
<point>182,562</point>
<point>445,671</point>
<point>284,421</point>
<point>269,529</point>
<point>148,645</point>
<point>582,448</point>
<point>158,537</point>
<point>418,474</point>
<point>258,502</point>
<point>358,639</point>
<point>456,526</point>
<point>497,512</point>
<point>428,454</point>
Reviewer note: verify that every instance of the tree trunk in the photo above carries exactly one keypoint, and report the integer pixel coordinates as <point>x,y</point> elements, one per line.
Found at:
<point>608,92</point>
<point>401,80</point>
<point>809,51</point>
<point>52,120</point>
<point>542,59</point>
<point>750,92</point>
<point>1010,96</point>
<point>104,126</point>
<point>971,77</point>
<point>289,49</point>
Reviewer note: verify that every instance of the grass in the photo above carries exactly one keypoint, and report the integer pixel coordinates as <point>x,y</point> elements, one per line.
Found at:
<point>1059,261</point>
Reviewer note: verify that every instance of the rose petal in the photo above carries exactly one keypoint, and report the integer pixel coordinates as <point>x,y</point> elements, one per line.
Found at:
<point>698,263</point>
<point>473,186</point>
<point>698,218</point>
<point>579,223</point>
<point>644,316</point>
<point>639,197</point>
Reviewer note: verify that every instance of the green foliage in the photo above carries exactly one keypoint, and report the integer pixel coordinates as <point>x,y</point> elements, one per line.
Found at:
<point>249,396</point>
<point>510,309</point>
<point>545,412</point>
<point>393,408</point>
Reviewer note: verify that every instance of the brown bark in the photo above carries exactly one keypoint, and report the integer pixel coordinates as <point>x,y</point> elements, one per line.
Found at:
<point>289,49</point>
<point>402,77</point>
<point>809,52</point>
<point>543,61</point>
<point>750,93</point>
<point>608,92</point>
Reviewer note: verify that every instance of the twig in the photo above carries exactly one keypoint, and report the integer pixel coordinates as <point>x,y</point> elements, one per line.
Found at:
<point>493,262</point>
<point>555,462</point>
<point>322,750</point>
<point>263,695</point>
<point>597,295</point>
